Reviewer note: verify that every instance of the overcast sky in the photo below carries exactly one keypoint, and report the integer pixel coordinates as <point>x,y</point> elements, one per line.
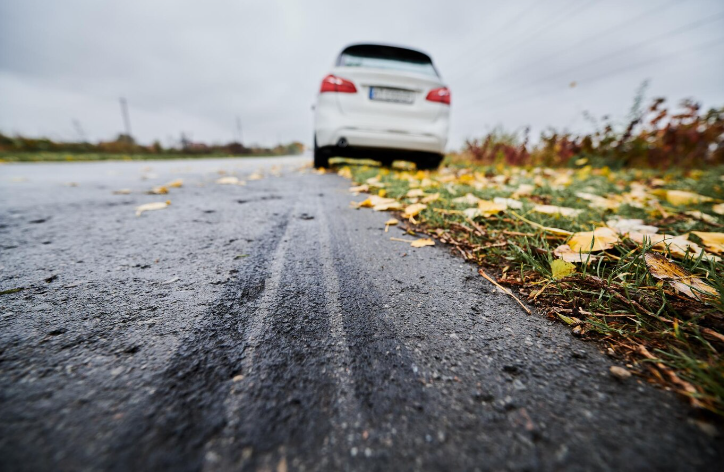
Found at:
<point>193,66</point>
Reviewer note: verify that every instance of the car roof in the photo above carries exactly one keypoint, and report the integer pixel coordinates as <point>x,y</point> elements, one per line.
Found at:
<point>387,51</point>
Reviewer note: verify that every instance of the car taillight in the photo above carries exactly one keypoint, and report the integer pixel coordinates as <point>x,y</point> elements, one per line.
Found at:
<point>333,83</point>
<point>441,95</point>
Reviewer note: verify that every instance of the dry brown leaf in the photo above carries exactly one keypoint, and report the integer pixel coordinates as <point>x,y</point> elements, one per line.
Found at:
<point>599,239</point>
<point>679,278</point>
<point>152,206</point>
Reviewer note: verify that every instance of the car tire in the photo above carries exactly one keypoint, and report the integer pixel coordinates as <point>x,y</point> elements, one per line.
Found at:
<point>321,156</point>
<point>429,161</point>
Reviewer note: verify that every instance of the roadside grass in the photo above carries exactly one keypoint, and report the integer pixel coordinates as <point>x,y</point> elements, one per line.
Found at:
<point>669,334</point>
<point>90,157</point>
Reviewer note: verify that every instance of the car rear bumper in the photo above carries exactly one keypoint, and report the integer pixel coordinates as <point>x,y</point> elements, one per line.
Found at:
<point>365,138</point>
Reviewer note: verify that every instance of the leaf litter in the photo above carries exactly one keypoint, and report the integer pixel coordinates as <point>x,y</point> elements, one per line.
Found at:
<point>627,258</point>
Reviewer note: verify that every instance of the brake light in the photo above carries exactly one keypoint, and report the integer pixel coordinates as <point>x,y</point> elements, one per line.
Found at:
<point>441,95</point>
<point>333,83</point>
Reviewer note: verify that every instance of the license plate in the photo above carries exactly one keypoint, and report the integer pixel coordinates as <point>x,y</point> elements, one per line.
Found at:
<point>383,94</point>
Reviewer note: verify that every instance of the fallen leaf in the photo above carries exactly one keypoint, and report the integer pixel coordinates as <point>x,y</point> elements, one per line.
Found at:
<point>523,189</point>
<point>433,197</point>
<point>390,222</point>
<point>598,201</point>
<point>625,226</point>
<point>160,190</point>
<point>413,210</point>
<point>178,183</point>
<point>509,202</point>
<point>718,209</point>
<point>123,191</point>
<point>557,210</point>
<point>700,215</point>
<point>681,197</point>
<point>229,180</point>
<point>468,199</point>
<point>681,279</point>
<point>561,268</point>
<point>152,206</point>
<point>415,193</point>
<point>567,254</point>
<point>422,242</point>
<point>599,239</point>
<point>360,189</point>
<point>714,242</point>
<point>679,246</point>
<point>488,208</point>
<point>255,176</point>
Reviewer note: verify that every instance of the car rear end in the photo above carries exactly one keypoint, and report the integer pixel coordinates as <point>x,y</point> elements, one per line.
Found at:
<point>383,102</point>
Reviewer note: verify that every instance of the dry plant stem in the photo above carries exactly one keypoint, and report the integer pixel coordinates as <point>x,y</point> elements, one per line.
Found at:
<point>687,388</point>
<point>503,289</point>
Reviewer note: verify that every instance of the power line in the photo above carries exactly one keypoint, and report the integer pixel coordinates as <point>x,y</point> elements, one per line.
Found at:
<point>513,21</point>
<point>545,26</point>
<point>577,67</point>
<point>614,72</point>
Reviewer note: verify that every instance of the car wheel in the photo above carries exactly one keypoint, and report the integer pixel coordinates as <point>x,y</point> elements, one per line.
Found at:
<point>429,161</point>
<point>321,156</point>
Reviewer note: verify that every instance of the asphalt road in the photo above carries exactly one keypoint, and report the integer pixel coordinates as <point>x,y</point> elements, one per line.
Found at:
<point>272,327</point>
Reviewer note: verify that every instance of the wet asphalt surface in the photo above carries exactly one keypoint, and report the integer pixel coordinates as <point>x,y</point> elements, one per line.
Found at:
<point>272,327</point>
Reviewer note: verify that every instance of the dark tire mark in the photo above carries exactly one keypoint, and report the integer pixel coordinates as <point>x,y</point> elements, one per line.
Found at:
<point>187,408</point>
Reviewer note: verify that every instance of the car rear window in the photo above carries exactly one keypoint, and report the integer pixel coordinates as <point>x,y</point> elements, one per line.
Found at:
<point>386,57</point>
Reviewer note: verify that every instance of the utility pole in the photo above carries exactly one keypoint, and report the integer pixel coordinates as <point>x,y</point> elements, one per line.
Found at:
<point>238,129</point>
<point>126,118</point>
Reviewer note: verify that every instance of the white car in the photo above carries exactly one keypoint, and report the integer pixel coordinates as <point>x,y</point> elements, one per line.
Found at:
<point>385,103</point>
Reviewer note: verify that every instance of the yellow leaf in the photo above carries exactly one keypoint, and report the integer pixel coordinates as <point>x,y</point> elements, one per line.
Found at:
<point>359,189</point>
<point>160,190</point>
<point>681,197</point>
<point>508,203</point>
<point>488,208</point>
<point>433,197</point>
<point>175,183</point>
<point>391,222</point>
<point>561,268</point>
<point>382,192</point>
<point>681,279</point>
<point>593,241</point>
<point>415,193</point>
<point>523,189</point>
<point>258,176</point>
<point>422,242</point>
<point>678,246</point>
<point>413,210</point>
<point>152,206</point>
<point>714,242</point>
<point>625,226</point>
<point>345,172</point>
<point>718,209</point>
